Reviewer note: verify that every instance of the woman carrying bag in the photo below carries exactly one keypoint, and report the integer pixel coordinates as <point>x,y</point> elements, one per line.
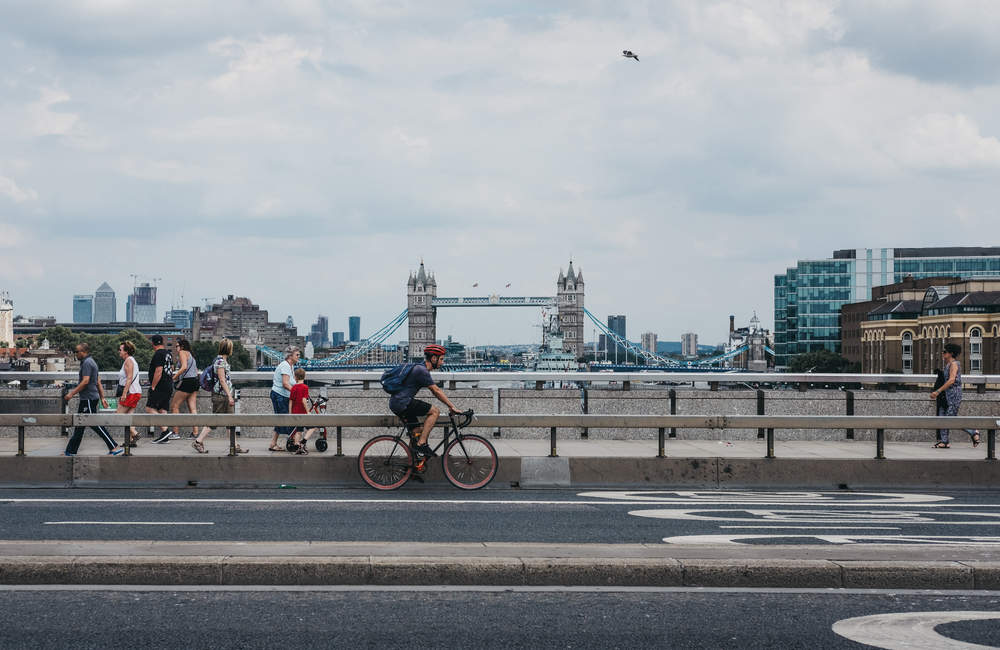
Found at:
<point>129,391</point>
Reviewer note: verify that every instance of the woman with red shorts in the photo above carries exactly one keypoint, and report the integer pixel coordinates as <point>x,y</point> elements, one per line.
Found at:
<point>128,382</point>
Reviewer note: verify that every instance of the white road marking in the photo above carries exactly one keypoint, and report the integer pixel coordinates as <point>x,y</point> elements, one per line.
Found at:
<point>767,527</point>
<point>910,630</point>
<point>824,517</point>
<point>798,498</point>
<point>838,539</point>
<point>129,523</point>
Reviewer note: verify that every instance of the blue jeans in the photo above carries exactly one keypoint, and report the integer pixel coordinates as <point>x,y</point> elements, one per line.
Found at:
<point>280,405</point>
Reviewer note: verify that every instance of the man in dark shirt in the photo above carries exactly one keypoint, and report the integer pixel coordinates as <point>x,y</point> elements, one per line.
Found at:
<point>91,399</point>
<point>410,409</point>
<point>160,387</point>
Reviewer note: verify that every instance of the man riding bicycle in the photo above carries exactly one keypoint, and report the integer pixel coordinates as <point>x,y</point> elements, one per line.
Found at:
<point>403,404</point>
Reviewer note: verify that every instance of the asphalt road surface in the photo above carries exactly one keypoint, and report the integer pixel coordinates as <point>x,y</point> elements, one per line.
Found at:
<point>553,516</point>
<point>505,618</point>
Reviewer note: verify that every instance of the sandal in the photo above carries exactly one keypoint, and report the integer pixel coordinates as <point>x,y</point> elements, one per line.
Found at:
<point>241,450</point>
<point>942,445</point>
<point>199,447</point>
<point>273,448</point>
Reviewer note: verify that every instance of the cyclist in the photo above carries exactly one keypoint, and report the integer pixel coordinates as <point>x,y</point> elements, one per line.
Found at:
<point>410,410</point>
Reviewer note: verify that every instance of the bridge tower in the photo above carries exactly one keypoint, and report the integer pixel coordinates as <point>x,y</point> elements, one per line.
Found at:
<point>569,296</point>
<point>422,315</point>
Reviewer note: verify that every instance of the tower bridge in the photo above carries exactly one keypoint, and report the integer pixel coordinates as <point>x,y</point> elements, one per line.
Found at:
<point>422,304</point>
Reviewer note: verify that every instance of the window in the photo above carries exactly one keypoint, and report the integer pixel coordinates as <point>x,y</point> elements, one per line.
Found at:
<point>975,350</point>
<point>907,352</point>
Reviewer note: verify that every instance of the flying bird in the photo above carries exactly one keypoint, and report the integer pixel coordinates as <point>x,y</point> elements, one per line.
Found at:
<point>475,284</point>
<point>508,285</point>
<point>629,54</point>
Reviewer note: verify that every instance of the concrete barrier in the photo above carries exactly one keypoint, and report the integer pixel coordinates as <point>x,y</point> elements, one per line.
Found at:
<point>332,471</point>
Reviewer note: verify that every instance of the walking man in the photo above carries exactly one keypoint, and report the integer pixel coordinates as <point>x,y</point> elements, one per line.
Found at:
<point>91,398</point>
<point>160,387</point>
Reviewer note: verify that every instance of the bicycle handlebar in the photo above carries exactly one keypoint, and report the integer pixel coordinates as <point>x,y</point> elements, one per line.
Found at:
<point>465,418</point>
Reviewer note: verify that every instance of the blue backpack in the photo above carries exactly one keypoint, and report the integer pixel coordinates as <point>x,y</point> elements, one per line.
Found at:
<point>207,377</point>
<point>393,379</point>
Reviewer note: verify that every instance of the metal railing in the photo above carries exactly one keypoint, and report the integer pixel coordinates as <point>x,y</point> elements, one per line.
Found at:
<point>769,423</point>
<point>369,379</point>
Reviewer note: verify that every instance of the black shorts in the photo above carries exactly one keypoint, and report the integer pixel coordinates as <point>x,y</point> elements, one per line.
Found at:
<point>415,410</point>
<point>188,385</point>
<point>159,399</point>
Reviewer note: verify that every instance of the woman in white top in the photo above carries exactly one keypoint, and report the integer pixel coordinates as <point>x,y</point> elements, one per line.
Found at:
<point>128,382</point>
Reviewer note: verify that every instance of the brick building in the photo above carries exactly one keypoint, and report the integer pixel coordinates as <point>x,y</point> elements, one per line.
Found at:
<point>907,335</point>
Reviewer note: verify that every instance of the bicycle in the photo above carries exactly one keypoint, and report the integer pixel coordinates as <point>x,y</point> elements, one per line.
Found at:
<point>469,462</point>
<point>317,406</point>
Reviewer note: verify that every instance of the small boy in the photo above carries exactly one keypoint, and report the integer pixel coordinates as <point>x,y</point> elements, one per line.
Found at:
<point>300,405</point>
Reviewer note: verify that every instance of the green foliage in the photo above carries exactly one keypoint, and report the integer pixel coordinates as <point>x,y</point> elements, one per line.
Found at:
<point>819,361</point>
<point>61,338</point>
<point>206,351</point>
<point>103,347</point>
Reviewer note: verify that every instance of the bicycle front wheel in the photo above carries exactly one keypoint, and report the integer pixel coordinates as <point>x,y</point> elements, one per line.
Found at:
<point>470,462</point>
<point>385,463</point>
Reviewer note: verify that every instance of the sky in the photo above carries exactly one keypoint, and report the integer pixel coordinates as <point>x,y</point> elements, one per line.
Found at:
<point>309,154</point>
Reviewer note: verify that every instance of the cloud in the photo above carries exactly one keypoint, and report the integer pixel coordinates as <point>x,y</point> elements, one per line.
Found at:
<point>942,142</point>
<point>494,139</point>
<point>11,190</point>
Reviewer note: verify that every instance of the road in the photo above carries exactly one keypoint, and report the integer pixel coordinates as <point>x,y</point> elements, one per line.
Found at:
<point>546,516</point>
<point>460,618</point>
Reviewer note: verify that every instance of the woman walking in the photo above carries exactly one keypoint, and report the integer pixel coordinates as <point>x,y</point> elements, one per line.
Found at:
<point>281,392</point>
<point>952,390</point>
<point>185,383</point>
<point>222,394</point>
<point>129,390</point>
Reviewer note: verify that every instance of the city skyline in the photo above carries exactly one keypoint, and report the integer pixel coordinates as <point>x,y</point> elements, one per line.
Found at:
<point>749,137</point>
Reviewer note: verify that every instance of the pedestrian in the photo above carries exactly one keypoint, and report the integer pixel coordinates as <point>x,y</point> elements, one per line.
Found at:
<point>223,401</point>
<point>281,392</point>
<point>952,390</point>
<point>161,388</point>
<point>185,384</point>
<point>300,406</point>
<point>129,389</point>
<point>91,398</point>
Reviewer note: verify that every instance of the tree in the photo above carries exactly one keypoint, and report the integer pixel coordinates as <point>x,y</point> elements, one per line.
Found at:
<point>206,351</point>
<point>819,361</point>
<point>61,338</point>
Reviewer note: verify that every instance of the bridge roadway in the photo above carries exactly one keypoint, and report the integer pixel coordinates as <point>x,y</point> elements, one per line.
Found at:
<point>499,568</point>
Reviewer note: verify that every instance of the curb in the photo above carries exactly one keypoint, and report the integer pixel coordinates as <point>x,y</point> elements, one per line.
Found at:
<point>500,571</point>
<point>526,471</point>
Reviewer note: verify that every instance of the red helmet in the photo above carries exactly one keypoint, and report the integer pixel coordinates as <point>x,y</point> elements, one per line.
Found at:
<point>434,350</point>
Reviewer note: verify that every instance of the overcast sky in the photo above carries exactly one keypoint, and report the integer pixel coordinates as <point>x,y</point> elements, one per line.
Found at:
<point>309,156</point>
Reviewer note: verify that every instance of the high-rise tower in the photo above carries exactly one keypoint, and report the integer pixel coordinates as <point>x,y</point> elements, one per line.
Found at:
<point>422,316</point>
<point>105,305</point>
<point>569,294</point>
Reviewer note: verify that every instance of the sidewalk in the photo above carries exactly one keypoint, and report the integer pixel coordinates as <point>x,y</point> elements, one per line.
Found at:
<point>397,563</point>
<point>218,445</point>
<point>523,463</point>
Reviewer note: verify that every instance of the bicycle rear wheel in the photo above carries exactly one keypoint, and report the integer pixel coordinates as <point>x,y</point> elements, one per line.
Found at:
<point>385,463</point>
<point>469,462</point>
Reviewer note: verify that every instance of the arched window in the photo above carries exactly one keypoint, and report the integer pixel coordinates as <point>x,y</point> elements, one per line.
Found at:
<point>907,352</point>
<point>975,350</point>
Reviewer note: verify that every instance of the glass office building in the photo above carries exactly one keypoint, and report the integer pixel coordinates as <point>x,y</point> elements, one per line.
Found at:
<point>83,308</point>
<point>808,296</point>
